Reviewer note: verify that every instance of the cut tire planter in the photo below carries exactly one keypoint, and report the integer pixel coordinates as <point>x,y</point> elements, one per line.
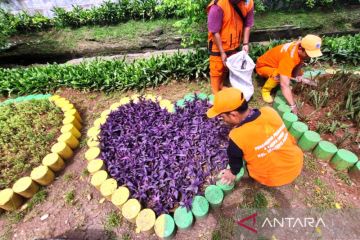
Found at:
<point>214,195</point>
<point>200,207</point>
<point>297,129</point>
<point>325,150</point>
<point>26,187</point>
<point>343,159</point>
<point>309,140</point>
<point>183,218</point>
<point>165,226</point>
<point>354,172</point>
<point>289,118</point>
<point>282,109</point>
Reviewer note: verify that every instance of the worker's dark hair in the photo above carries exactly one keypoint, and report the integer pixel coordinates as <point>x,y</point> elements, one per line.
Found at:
<point>244,106</point>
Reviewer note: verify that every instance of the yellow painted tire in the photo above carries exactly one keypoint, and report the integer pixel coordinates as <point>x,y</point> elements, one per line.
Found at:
<point>9,200</point>
<point>131,209</point>
<point>72,120</point>
<point>95,166</point>
<point>25,187</point>
<point>63,150</point>
<point>54,162</point>
<point>98,178</point>
<point>69,139</point>
<point>42,175</point>
<point>92,153</point>
<point>145,220</point>
<point>120,196</point>
<point>71,129</point>
<point>108,187</point>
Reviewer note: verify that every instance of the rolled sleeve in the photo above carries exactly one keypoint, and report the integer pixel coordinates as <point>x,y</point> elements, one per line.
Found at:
<point>249,19</point>
<point>215,18</point>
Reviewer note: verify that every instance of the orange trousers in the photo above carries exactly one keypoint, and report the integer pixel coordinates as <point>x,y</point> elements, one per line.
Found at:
<point>218,73</point>
<point>266,72</point>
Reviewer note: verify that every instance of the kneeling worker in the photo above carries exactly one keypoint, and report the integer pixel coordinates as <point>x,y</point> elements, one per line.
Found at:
<point>260,138</point>
<point>283,62</point>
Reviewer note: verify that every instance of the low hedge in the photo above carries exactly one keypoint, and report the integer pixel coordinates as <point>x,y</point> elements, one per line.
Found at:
<point>119,75</point>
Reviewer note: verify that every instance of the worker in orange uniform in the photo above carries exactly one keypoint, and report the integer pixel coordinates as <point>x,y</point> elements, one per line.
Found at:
<point>283,62</point>
<point>226,21</point>
<point>260,138</point>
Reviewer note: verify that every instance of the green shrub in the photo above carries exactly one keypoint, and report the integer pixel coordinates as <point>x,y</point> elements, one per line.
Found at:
<point>342,49</point>
<point>118,75</point>
<point>105,75</point>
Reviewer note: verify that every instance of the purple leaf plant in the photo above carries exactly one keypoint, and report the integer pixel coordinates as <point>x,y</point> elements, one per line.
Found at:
<point>165,159</point>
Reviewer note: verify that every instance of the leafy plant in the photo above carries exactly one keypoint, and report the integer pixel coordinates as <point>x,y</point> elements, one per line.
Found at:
<point>116,75</point>
<point>27,131</point>
<point>164,159</point>
<point>342,49</point>
<point>319,99</point>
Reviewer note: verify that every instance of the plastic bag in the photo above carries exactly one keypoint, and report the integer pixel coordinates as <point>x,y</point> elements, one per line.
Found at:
<point>241,67</point>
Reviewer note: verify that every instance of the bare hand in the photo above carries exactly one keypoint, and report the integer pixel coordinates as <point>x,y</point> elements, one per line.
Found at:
<point>224,58</point>
<point>227,177</point>
<point>294,109</point>
<point>299,78</point>
<point>245,48</point>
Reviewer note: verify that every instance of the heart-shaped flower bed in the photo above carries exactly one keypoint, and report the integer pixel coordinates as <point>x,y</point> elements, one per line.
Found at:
<point>164,158</point>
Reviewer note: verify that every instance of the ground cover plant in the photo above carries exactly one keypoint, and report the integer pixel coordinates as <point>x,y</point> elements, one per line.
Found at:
<point>119,75</point>
<point>165,159</point>
<point>28,130</point>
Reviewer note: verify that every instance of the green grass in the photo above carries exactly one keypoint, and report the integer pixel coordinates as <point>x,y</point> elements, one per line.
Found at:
<point>344,177</point>
<point>68,177</point>
<point>130,35</point>
<point>338,19</point>
<point>38,198</point>
<point>311,164</point>
<point>321,196</point>
<point>70,197</point>
<point>126,236</point>
<point>224,230</point>
<point>113,220</point>
<point>28,131</point>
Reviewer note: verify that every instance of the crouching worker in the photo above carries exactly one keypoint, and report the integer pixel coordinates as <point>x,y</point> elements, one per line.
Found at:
<point>260,138</point>
<point>283,62</point>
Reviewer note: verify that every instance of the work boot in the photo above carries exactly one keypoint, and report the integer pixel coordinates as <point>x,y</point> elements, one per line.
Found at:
<point>266,95</point>
<point>266,89</point>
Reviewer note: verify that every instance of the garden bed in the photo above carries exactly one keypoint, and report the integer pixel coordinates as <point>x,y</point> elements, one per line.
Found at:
<point>28,130</point>
<point>333,109</point>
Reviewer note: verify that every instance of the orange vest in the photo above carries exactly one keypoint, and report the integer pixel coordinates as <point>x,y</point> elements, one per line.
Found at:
<point>271,154</point>
<point>284,58</point>
<point>232,26</point>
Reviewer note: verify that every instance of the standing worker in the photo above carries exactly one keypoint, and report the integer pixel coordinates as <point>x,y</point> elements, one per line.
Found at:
<point>260,138</point>
<point>226,21</point>
<point>283,62</point>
